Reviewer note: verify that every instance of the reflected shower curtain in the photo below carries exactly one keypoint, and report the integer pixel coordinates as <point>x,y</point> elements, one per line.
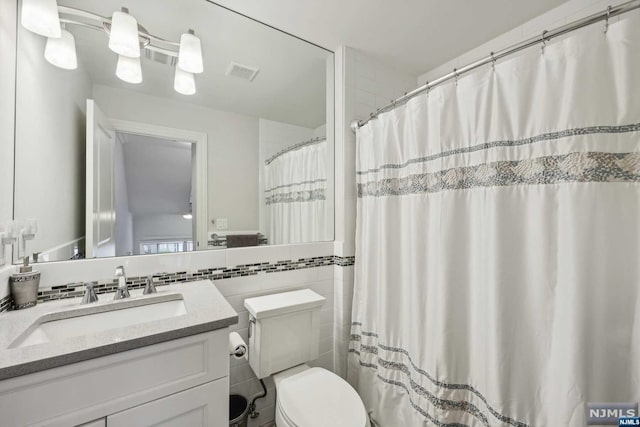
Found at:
<point>497,277</point>
<point>295,186</point>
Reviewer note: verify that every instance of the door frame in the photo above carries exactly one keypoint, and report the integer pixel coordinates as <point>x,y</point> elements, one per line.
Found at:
<point>93,219</point>
<point>200,209</point>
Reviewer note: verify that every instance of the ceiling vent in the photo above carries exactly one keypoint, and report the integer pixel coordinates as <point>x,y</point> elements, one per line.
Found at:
<point>158,55</point>
<point>242,71</point>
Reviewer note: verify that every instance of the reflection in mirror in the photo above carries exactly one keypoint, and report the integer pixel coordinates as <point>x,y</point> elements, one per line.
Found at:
<point>153,197</point>
<point>197,129</point>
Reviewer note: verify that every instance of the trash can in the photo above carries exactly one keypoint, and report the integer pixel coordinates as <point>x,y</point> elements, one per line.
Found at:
<point>238,411</point>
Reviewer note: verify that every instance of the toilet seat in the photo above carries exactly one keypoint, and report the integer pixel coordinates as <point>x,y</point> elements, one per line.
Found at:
<point>316,397</point>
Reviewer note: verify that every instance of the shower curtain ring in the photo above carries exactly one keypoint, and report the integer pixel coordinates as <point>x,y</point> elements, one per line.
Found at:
<point>606,21</point>
<point>544,40</point>
<point>493,61</point>
<point>455,73</point>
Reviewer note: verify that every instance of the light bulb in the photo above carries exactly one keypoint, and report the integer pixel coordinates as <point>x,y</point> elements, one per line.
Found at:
<point>61,52</point>
<point>184,82</point>
<point>41,17</point>
<point>123,39</point>
<point>190,53</point>
<point>129,69</point>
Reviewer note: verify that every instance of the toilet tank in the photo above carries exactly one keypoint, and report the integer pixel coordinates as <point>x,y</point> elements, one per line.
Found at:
<point>284,330</point>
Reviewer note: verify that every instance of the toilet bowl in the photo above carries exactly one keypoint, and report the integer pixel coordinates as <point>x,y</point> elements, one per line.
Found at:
<point>316,397</point>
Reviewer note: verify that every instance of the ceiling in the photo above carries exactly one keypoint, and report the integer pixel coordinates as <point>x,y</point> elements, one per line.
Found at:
<point>290,86</point>
<point>414,36</point>
<point>158,174</point>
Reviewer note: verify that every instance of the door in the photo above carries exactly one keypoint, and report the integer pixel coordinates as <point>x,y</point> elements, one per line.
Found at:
<point>100,195</point>
<point>203,406</point>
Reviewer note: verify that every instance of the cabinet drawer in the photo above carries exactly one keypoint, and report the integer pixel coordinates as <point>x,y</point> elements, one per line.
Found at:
<point>85,391</point>
<point>203,406</point>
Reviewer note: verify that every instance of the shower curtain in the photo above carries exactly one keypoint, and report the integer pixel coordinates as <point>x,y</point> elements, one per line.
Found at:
<point>295,185</point>
<point>497,277</point>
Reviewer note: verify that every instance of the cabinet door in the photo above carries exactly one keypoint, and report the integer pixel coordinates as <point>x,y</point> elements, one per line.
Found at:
<point>203,406</point>
<point>102,422</point>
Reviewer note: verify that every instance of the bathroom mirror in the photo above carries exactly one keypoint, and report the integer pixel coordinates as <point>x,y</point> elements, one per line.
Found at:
<point>187,147</point>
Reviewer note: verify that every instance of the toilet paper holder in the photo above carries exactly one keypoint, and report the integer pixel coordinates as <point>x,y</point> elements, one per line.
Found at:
<point>237,346</point>
<point>239,352</point>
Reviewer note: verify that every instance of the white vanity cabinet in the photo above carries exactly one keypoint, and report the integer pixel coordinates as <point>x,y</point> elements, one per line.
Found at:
<point>183,382</point>
<point>196,407</point>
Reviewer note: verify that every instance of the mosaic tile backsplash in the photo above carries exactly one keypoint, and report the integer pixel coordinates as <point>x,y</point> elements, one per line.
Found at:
<point>74,290</point>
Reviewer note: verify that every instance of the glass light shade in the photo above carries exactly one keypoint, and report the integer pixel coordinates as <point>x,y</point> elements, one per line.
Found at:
<point>184,82</point>
<point>123,39</point>
<point>61,52</point>
<point>41,17</point>
<point>190,54</point>
<point>129,69</point>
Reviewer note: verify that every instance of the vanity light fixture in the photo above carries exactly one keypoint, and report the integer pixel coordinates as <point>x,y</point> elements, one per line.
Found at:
<point>190,54</point>
<point>184,82</point>
<point>124,39</point>
<point>41,17</point>
<point>61,51</point>
<point>129,69</point>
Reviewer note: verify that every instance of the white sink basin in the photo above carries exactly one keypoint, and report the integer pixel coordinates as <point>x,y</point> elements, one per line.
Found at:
<point>120,314</point>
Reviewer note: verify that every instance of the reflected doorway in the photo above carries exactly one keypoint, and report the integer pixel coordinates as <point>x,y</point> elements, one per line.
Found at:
<point>146,188</point>
<point>153,195</point>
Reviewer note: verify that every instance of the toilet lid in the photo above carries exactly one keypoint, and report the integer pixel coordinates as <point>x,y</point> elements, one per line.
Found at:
<point>319,398</point>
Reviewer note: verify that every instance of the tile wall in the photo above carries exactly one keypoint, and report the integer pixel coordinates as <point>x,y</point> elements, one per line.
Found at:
<point>362,86</point>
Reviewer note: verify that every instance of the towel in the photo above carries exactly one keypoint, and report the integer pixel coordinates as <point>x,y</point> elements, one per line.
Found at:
<point>241,240</point>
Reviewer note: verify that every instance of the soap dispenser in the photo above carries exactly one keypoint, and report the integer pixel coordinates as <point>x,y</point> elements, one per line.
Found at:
<point>24,286</point>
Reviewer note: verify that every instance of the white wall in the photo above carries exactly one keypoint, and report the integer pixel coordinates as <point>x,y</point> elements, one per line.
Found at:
<point>50,145</point>
<point>232,148</point>
<point>7,111</point>
<point>159,227</point>
<point>320,132</point>
<point>563,14</point>
<point>124,219</point>
<point>362,86</point>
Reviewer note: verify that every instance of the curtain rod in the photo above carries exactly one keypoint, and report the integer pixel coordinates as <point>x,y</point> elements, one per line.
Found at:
<point>494,56</point>
<point>294,147</point>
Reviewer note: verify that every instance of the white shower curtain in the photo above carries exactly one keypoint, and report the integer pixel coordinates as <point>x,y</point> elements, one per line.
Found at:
<point>295,187</point>
<point>497,277</point>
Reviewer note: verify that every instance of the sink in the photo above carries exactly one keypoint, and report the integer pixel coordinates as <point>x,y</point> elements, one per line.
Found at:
<point>91,319</point>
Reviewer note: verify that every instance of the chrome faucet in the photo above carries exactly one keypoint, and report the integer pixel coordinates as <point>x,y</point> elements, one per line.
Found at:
<point>89,294</point>
<point>150,287</point>
<point>123,290</point>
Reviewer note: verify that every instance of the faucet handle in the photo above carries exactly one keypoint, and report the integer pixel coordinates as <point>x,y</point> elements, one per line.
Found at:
<point>121,293</point>
<point>89,294</point>
<point>150,287</point>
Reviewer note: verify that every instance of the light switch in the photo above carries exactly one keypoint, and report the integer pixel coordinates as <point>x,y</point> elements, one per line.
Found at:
<point>222,224</point>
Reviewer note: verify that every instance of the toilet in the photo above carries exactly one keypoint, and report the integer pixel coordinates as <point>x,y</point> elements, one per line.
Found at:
<point>284,334</point>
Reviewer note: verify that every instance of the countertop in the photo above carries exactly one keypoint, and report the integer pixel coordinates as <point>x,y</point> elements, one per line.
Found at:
<point>207,310</point>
